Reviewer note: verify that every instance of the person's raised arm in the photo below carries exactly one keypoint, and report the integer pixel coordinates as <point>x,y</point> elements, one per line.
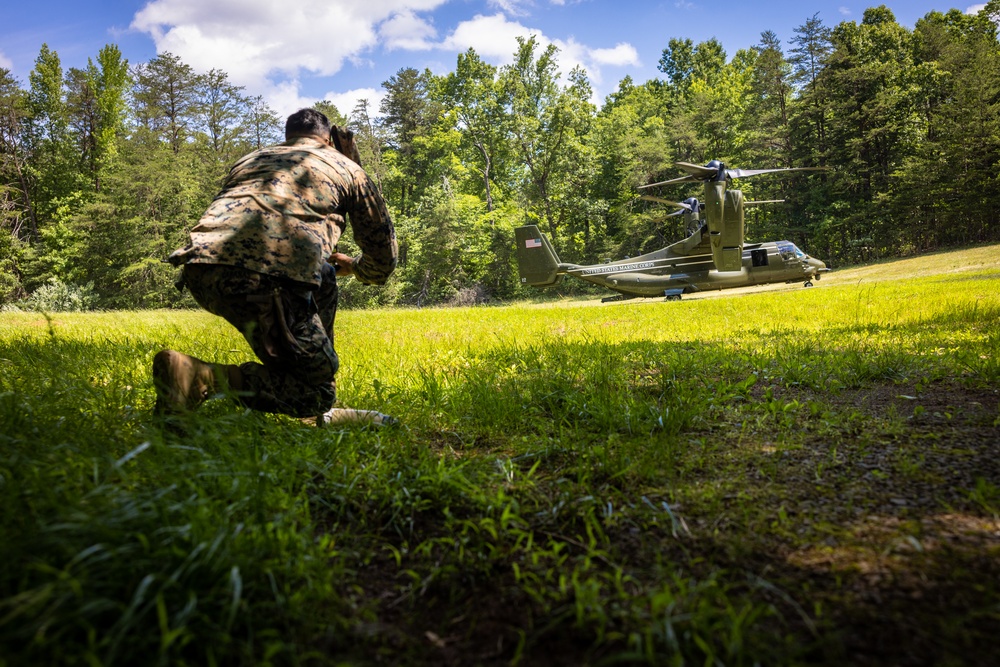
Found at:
<point>373,233</point>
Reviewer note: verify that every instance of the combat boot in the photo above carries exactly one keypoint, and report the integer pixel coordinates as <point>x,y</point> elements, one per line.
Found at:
<point>183,382</point>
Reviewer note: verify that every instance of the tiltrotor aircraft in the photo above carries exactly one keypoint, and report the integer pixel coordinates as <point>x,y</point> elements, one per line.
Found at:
<point>713,257</point>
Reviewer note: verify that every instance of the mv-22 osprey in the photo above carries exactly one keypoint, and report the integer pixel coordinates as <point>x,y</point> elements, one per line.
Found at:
<point>713,257</point>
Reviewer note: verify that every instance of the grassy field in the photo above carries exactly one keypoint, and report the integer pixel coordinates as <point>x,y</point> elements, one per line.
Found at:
<point>768,476</point>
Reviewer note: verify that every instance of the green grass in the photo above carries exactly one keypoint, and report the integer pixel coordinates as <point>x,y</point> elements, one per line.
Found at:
<point>765,476</point>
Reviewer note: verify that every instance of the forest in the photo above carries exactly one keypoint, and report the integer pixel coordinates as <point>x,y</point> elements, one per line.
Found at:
<point>103,170</point>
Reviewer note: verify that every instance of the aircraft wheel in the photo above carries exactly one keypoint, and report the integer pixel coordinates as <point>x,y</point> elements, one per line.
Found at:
<point>674,297</point>
<point>808,284</point>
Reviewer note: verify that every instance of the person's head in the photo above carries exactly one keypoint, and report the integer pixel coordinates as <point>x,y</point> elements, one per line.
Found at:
<point>307,123</point>
<point>312,123</point>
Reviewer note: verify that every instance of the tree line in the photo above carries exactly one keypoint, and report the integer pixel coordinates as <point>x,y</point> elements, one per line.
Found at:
<point>104,169</point>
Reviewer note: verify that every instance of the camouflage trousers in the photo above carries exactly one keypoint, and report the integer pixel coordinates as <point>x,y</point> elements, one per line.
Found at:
<point>288,326</point>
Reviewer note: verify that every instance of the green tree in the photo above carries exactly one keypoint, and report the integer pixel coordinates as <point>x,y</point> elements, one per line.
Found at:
<point>81,104</point>
<point>873,127</point>
<point>17,216</point>
<point>409,115</point>
<point>48,109</point>
<point>262,126</point>
<point>632,142</point>
<point>719,107</point>
<point>330,110</point>
<point>696,76</point>
<point>771,92</point>
<point>110,79</point>
<point>476,100</point>
<point>435,248</point>
<point>166,99</point>
<point>371,140</point>
<point>708,60</point>
<point>220,113</point>
<point>677,63</point>
<point>53,167</point>
<point>947,185</point>
<point>162,178</point>
<point>808,58</point>
<point>683,62</point>
<point>548,125</point>
<point>17,209</point>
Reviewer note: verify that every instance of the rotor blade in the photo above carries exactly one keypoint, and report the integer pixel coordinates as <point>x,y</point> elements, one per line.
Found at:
<point>675,213</point>
<point>682,179</point>
<point>661,200</point>
<point>743,173</point>
<point>698,173</point>
<point>702,172</point>
<point>763,201</point>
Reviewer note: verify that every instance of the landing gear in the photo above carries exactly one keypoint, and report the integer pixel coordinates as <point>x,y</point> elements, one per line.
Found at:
<point>673,294</point>
<point>808,283</point>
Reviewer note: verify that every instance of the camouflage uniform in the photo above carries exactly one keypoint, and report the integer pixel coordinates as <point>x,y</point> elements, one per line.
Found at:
<point>258,258</point>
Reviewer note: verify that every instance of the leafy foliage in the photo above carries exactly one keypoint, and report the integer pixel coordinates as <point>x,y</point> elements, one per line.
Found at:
<point>102,170</point>
<point>58,297</point>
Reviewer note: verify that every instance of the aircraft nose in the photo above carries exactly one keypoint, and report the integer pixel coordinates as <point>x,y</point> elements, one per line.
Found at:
<point>816,265</point>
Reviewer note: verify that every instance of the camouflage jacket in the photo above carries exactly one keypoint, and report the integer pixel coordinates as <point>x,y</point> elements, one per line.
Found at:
<point>282,210</point>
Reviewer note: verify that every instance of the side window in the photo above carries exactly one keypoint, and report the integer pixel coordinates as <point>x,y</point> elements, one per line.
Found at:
<point>787,251</point>
<point>758,257</point>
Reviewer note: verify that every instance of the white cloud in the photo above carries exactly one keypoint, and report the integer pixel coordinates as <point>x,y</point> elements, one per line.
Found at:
<point>270,47</point>
<point>345,102</point>
<point>495,39</point>
<point>844,11</point>
<point>286,98</point>
<point>407,31</point>
<point>6,62</point>
<point>512,7</point>
<point>623,54</point>
<point>266,45</point>
<point>975,9</point>
<point>574,54</point>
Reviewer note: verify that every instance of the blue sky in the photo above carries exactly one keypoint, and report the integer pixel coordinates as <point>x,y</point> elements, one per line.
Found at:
<point>297,52</point>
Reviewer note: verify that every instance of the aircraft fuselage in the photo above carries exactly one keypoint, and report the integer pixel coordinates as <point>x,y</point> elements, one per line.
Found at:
<point>656,273</point>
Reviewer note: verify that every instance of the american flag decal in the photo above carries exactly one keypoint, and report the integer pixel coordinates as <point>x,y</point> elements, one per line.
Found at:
<point>533,243</point>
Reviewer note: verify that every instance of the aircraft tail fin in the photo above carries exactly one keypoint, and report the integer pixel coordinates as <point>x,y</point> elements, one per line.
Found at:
<point>537,262</point>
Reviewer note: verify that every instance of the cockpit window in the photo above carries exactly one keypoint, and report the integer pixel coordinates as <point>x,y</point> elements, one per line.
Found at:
<point>789,251</point>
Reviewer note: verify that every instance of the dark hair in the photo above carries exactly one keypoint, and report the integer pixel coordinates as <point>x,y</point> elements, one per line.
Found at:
<point>307,122</point>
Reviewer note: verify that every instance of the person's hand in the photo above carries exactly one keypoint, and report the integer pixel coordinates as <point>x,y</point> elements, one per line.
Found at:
<point>343,263</point>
